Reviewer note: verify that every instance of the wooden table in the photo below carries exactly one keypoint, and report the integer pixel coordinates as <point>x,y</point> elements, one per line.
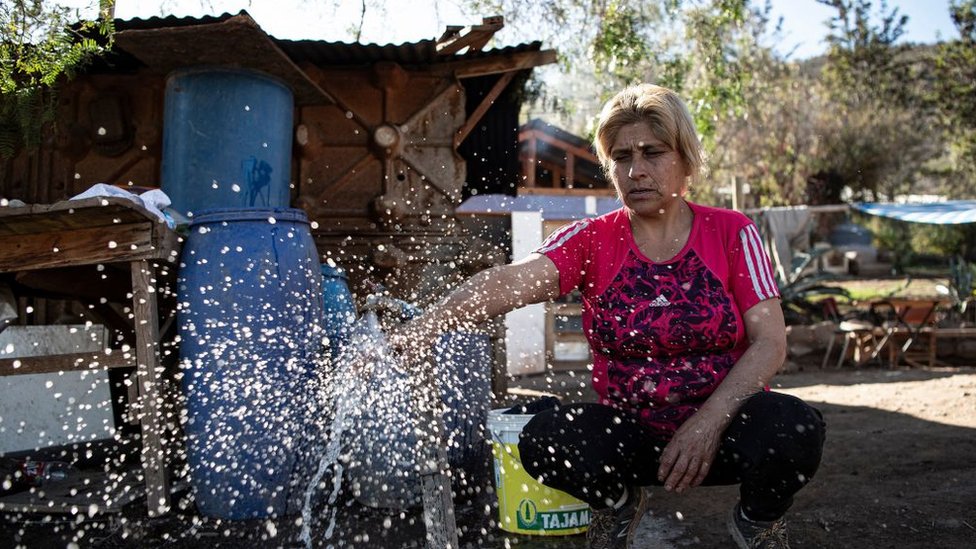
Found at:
<point>911,318</point>
<point>101,231</point>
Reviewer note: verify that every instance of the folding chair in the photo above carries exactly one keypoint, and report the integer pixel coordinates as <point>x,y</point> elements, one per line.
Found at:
<point>866,334</point>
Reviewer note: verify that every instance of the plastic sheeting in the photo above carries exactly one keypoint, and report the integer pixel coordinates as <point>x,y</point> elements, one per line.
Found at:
<point>950,212</point>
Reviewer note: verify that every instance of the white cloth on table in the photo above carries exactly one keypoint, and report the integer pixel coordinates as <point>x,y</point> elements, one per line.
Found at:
<point>154,201</point>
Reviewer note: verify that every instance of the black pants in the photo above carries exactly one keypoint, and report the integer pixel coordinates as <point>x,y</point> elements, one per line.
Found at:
<point>593,452</point>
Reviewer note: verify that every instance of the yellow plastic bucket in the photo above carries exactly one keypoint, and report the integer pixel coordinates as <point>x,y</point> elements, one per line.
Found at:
<point>524,505</point>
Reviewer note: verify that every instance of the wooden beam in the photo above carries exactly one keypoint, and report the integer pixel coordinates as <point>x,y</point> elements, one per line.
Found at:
<point>163,50</point>
<point>65,363</point>
<point>450,33</point>
<point>469,68</point>
<point>316,76</point>
<point>482,108</point>
<point>477,37</point>
<point>76,247</point>
<point>555,141</point>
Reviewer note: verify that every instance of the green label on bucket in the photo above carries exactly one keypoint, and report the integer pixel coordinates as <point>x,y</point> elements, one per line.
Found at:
<point>530,518</point>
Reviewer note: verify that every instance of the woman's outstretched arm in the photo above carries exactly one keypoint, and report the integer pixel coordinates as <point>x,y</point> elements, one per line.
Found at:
<point>490,293</point>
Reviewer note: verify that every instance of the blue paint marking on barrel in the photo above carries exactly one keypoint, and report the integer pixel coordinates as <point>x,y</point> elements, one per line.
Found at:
<point>227,140</point>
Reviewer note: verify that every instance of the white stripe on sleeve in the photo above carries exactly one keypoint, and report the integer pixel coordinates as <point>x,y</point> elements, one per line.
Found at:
<point>759,272</point>
<point>560,237</point>
<point>765,267</point>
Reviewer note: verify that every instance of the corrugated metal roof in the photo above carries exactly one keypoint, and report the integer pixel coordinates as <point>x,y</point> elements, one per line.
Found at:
<point>324,53</point>
<point>423,52</point>
<point>138,23</point>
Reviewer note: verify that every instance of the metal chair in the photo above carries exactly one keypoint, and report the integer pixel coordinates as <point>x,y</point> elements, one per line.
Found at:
<point>867,335</point>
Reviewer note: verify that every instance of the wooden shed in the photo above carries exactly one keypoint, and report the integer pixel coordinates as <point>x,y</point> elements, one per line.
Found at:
<point>385,143</point>
<point>388,139</point>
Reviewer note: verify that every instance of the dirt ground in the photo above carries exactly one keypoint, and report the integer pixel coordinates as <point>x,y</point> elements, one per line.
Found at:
<point>898,468</point>
<point>899,471</point>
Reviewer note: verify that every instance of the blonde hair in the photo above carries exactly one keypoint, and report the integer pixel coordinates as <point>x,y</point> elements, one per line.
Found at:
<point>663,111</point>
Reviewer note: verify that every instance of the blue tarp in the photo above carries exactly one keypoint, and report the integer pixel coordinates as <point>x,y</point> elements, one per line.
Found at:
<point>552,207</point>
<point>950,212</point>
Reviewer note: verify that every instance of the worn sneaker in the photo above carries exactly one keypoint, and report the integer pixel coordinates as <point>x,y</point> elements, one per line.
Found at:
<point>757,534</point>
<point>614,528</point>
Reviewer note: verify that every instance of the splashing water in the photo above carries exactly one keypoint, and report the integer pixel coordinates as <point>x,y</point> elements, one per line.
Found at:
<point>358,399</point>
<point>371,431</point>
<point>330,459</point>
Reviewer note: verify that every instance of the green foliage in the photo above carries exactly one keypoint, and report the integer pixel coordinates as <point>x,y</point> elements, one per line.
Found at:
<point>876,127</point>
<point>871,120</point>
<point>891,237</point>
<point>619,45</point>
<point>944,240</point>
<point>804,289</point>
<point>954,90</point>
<point>907,242</point>
<point>962,275</point>
<point>716,93</point>
<point>40,44</point>
<point>768,138</point>
<point>862,64</point>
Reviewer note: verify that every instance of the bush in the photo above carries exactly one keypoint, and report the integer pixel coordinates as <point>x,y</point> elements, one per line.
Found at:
<point>921,244</point>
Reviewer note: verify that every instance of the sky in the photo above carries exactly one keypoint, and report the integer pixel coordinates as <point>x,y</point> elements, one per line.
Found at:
<point>804,23</point>
<point>411,20</point>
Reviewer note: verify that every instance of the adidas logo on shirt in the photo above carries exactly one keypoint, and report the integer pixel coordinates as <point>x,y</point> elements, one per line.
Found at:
<point>660,301</point>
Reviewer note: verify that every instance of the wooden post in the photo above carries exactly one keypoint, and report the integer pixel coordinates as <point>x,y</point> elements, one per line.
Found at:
<point>146,321</point>
<point>570,170</point>
<point>529,163</point>
<point>435,482</point>
<point>737,195</point>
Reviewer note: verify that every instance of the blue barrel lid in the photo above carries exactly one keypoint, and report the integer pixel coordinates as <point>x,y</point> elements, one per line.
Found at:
<point>224,215</point>
<point>333,271</point>
<point>211,70</point>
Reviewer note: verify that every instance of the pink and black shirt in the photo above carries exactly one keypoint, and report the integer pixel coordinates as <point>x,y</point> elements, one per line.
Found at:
<point>663,335</point>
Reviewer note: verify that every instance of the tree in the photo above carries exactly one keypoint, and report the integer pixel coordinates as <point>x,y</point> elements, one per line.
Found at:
<point>41,43</point>
<point>954,91</point>
<point>620,42</point>
<point>771,144</point>
<point>876,126</point>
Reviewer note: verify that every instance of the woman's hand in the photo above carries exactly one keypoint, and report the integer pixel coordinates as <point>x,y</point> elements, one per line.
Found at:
<point>411,342</point>
<point>686,460</point>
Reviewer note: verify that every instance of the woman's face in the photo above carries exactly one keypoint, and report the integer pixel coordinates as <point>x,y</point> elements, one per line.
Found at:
<point>648,174</point>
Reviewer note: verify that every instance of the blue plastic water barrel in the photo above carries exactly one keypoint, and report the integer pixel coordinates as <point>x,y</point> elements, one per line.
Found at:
<point>385,449</point>
<point>250,310</point>
<point>340,309</point>
<point>227,136</point>
<point>464,362</point>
